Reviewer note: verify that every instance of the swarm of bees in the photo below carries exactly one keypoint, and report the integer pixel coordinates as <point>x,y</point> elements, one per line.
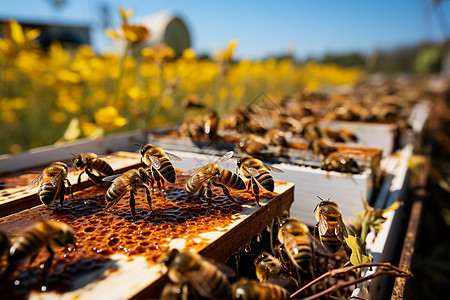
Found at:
<point>290,262</point>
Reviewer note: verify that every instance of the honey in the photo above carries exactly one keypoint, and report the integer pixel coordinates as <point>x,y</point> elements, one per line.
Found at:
<point>101,233</point>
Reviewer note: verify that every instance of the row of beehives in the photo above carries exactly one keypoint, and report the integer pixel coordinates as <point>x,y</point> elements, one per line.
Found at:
<point>328,144</point>
<point>292,233</point>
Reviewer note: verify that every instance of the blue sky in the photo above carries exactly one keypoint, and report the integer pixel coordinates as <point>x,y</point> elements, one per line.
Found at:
<point>264,28</point>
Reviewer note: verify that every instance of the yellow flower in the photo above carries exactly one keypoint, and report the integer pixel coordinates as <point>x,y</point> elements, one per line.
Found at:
<point>189,54</point>
<point>227,54</point>
<point>223,93</point>
<point>126,14</point>
<point>108,118</point>
<point>167,102</point>
<point>132,34</point>
<point>159,54</point>
<point>58,117</point>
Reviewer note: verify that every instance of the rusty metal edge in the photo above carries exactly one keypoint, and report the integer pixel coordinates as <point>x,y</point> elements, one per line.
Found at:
<point>400,288</point>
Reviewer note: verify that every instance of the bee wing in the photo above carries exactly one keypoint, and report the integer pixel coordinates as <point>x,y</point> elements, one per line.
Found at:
<point>225,269</point>
<point>155,162</point>
<point>111,178</point>
<point>191,171</point>
<point>341,230</point>
<point>172,156</point>
<point>252,171</point>
<point>226,157</point>
<point>35,182</point>
<point>202,286</point>
<point>322,226</point>
<point>201,178</point>
<point>57,179</point>
<point>318,246</point>
<point>274,169</point>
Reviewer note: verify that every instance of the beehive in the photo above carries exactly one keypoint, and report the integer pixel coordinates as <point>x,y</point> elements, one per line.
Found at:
<point>118,257</point>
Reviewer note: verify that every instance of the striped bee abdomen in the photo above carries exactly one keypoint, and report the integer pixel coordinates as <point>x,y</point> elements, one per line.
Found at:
<point>47,192</point>
<point>217,281</point>
<point>102,167</point>
<point>266,180</point>
<point>167,171</point>
<point>231,180</point>
<point>114,193</point>
<point>26,245</point>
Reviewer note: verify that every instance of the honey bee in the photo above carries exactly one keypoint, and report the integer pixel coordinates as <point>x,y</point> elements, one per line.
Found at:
<point>51,182</point>
<point>330,228</point>
<point>276,137</point>
<point>158,160</point>
<point>90,162</point>
<point>213,175</point>
<point>211,121</point>
<point>322,146</point>
<point>174,291</point>
<point>192,128</point>
<point>340,162</point>
<point>294,236</point>
<point>204,276</point>
<point>258,173</point>
<point>246,289</point>
<point>340,135</point>
<point>47,233</point>
<point>130,181</point>
<point>269,268</point>
<point>251,144</point>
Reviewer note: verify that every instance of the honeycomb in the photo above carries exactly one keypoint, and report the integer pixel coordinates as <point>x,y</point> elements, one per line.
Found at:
<point>102,233</point>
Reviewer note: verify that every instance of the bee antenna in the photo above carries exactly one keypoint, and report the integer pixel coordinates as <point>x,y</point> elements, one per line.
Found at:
<point>321,198</point>
<point>72,154</point>
<point>316,207</point>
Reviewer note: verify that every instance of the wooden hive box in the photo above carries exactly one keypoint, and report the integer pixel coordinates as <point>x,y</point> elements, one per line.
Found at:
<point>117,257</point>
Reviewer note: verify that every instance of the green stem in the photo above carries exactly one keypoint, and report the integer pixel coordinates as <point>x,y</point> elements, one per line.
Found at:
<point>121,72</point>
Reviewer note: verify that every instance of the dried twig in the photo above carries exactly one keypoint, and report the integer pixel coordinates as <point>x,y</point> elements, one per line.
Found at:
<point>386,269</point>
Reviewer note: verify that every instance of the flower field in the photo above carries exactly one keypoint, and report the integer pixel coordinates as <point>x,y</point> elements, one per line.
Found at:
<point>60,94</point>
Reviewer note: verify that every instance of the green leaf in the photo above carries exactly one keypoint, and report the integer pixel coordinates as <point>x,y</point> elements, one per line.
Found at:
<point>358,256</point>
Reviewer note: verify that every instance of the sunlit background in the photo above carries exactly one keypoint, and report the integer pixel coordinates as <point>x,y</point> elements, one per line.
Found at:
<point>91,68</point>
<point>73,69</point>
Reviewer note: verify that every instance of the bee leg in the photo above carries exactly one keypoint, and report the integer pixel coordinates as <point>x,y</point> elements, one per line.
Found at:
<point>79,181</point>
<point>96,179</point>
<point>157,177</point>
<point>149,198</point>
<point>226,192</point>
<point>255,190</point>
<point>70,187</point>
<point>209,194</point>
<point>49,261</point>
<point>62,194</point>
<point>32,258</point>
<point>132,204</point>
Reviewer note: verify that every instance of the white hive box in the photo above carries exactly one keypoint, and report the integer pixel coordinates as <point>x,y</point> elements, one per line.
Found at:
<point>371,135</point>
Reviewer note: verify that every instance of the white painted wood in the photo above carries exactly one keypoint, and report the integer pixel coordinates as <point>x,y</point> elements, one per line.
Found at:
<point>370,135</point>
<point>48,154</point>
<point>345,189</point>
